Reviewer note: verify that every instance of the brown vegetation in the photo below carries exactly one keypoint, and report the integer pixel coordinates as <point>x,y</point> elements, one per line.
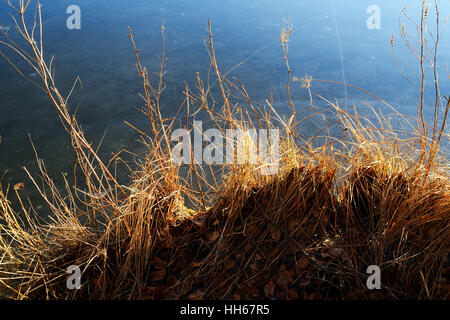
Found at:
<point>308,232</point>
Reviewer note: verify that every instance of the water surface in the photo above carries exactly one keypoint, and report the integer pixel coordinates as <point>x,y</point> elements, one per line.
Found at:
<point>330,41</point>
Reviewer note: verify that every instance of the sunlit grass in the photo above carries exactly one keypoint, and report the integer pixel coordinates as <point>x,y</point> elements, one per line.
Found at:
<point>308,232</point>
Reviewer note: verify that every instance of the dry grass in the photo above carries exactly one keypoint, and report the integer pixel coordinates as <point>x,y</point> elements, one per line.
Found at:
<point>308,232</point>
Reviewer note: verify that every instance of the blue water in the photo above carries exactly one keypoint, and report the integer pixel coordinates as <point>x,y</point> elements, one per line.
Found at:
<point>330,41</point>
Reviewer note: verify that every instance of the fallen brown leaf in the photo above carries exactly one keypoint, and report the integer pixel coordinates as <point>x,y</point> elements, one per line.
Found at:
<point>214,236</point>
<point>197,295</point>
<point>158,275</point>
<point>269,289</point>
<point>292,294</point>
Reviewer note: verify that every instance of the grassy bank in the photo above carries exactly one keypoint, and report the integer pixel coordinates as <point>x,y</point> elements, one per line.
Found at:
<point>367,197</point>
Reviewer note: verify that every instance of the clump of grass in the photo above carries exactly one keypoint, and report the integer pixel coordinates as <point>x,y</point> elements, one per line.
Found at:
<point>308,232</point>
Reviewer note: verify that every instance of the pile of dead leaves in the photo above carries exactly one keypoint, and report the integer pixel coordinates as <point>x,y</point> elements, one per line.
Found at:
<point>294,238</point>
